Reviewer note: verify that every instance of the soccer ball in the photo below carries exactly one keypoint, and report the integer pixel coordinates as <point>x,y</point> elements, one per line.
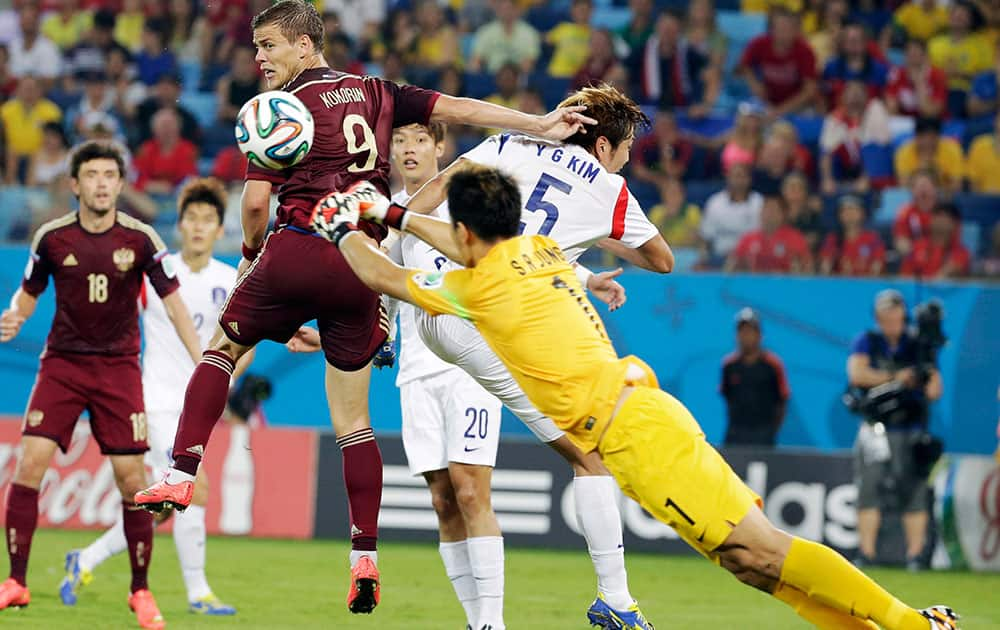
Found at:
<point>274,130</point>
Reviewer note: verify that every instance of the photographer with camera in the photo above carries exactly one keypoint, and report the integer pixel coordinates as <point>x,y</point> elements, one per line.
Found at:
<point>893,379</point>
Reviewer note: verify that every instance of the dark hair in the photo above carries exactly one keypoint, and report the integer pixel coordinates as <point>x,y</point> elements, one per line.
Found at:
<point>486,201</point>
<point>949,208</point>
<point>202,190</point>
<point>778,199</point>
<point>57,129</point>
<point>927,123</point>
<point>95,150</point>
<point>617,115</point>
<point>293,18</point>
<point>436,130</point>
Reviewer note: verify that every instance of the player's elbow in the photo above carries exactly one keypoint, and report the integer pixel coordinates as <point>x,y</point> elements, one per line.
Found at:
<point>659,256</point>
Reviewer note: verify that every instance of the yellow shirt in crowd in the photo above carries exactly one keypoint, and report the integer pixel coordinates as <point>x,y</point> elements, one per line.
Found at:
<point>66,34</point>
<point>23,127</point>
<point>948,162</point>
<point>572,47</point>
<point>921,24</point>
<point>963,59</point>
<point>983,165</point>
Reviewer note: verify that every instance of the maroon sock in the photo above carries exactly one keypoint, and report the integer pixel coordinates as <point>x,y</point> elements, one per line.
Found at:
<point>363,480</point>
<point>204,402</point>
<point>139,535</point>
<point>22,519</point>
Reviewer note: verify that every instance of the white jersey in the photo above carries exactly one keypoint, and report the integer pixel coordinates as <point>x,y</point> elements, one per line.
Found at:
<point>166,364</point>
<point>416,361</point>
<point>566,194</point>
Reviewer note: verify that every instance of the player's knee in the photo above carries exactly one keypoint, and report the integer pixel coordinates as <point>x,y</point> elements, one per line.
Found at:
<point>756,567</point>
<point>130,482</point>
<point>737,560</point>
<point>471,499</point>
<point>31,470</point>
<point>444,503</point>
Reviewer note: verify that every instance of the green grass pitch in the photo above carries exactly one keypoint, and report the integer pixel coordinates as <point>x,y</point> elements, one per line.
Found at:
<point>302,584</point>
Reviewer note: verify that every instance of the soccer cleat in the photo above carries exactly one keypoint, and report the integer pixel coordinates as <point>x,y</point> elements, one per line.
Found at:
<point>162,496</point>
<point>146,611</point>
<point>74,579</point>
<point>364,594</point>
<point>13,594</point>
<point>941,618</point>
<point>212,606</point>
<point>604,616</point>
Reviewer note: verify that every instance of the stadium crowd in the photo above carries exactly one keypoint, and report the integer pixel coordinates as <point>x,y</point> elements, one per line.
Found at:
<point>790,136</point>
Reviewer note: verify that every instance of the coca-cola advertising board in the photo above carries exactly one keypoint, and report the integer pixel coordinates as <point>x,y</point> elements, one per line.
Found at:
<point>263,481</point>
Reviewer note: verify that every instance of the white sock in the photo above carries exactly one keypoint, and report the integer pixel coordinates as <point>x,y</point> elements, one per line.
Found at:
<point>597,512</point>
<point>356,555</point>
<point>457,566</point>
<point>486,560</point>
<point>111,542</point>
<point>189,537</point>
<point>175,476</point>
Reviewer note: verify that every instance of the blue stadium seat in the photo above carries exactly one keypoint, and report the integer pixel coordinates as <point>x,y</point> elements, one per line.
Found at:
<point>809,128</point>
<point>892,200</point>
<point>465,44</point>
<point>202,106</point>
<point>479,84</point>
<point>612,18</point>
<point>13,210</point>
<point>190,75</point>
<point>545,17</point>
<point>698,192</point>
<point>205,166</point>
<point>972,236</point>
<point>685,258</point>
<point>877,159</point>
<point>739,28</point>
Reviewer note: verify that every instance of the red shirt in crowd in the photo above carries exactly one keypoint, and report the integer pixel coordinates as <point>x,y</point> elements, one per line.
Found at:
<point>759,251</point>
<point>856,256</point>
<point>927,258</point>
<point>911,222</point>
<point>782,75</point>
<point>153,163</point>
<point>901,88</point>
<point>230,165</point>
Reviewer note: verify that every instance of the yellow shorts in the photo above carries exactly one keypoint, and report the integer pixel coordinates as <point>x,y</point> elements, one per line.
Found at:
<point>659,456</point>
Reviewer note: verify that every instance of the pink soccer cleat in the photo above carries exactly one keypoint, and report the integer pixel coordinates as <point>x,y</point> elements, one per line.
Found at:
<point>163,495</point>
<point>13,594</point>
<point>146,611</point>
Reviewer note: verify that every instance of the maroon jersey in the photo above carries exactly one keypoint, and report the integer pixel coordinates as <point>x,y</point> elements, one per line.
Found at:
<point>354,117</point>
<point>97,278</point>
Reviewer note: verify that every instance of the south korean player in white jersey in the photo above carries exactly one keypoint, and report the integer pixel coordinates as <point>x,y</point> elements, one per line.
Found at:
<point>166,368</point>
<point>572,193</point>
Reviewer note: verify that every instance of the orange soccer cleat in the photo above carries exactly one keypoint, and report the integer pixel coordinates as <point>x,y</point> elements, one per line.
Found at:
<point>146,611</point>
<point>13,594</point>
<point>364,594</point>
<point>162,496</point>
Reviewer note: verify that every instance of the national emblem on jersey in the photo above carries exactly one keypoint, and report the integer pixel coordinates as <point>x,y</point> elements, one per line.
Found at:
<point>124,258</point>
<point>218,296</point>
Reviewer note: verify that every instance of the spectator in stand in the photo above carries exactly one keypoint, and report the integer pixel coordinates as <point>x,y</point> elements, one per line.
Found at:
<point>166,93</point>
<point>51,161</point>
<point>963,52</point>
<point>662,155</point>
<point>451,81</point>
<point>530,103</point>
<point>754,386</point>
<point>165,160</point>
<point>508,92</point>
<point>983,166</point>
<point>771,166</point>
<point>774,248</point>
<point>92,52</point>
<point>921,19</point>
<point>236,88</point>
<point>989,267</point>
<point>823,41</point>
<point>571,41</point>
<point>97,97</point>
<point>393,67</point>
<point>23,118</point>
<point>914,219</point>
<point>703,33</point>
<point>856,62</point>
<point>984,95</point>
<point>128,90</point>
<point>800,157</point>
<point>940,254</point>
<point>674,73</point>
<point>154,60</point>
<point>729,214</point>
<point>602,66</point>
<point>33,53</point>
<point>928,150</point>
<point>65,28</point>
<point>130,24</point>
<point>230,165</point>
<point>677,219</point>
<point>852,250</point>
<point>741,144</point>
<point>916,88</point>
<point>360,20</point>
<point>780,67</point>
<point>190,36</point>
<point>437,41</point>
<point>398,33</point>
<point>507,39</point>
<point>640,25</point>
<point>805,211</point>
<point>340,56</point>
<point>857,122</point>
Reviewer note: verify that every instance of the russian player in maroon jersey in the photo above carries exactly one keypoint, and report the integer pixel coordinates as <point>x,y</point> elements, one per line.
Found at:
<point>295,277</point>
<point>97,258</point>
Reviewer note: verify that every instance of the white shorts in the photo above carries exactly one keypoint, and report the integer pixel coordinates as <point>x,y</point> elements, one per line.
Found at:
<point>162,426</point>
<point>448,417</point>
<point>459,343</point>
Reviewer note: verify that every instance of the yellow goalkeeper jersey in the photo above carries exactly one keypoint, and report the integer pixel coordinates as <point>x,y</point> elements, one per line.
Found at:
<point>529,306</point>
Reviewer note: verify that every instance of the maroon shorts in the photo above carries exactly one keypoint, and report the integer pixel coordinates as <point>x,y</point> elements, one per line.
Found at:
<point>297,278</point>
<point>109,387</point>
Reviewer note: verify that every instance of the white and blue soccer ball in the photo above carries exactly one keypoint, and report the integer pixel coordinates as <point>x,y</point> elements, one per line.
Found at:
<point>274,130</point>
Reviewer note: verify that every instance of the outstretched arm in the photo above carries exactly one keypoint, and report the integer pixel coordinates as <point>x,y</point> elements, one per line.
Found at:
<point>558,124</point>
<point>373,267</point>
<point>653,255</point>
<point>435,192</point>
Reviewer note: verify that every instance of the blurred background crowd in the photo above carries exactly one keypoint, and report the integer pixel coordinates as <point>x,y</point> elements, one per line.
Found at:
<point>855,137</point>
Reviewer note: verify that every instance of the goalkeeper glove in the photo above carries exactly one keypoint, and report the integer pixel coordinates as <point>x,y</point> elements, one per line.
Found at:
<point>335,216</point>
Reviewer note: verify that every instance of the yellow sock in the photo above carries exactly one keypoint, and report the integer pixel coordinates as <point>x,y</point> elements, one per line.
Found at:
<point>819,614</point>
<point>827,577</point>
